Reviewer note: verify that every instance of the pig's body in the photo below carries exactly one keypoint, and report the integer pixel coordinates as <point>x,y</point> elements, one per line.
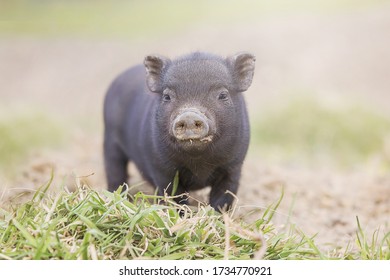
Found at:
<point>186,124</point>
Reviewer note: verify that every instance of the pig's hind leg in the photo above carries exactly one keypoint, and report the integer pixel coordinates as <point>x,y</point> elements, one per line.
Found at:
<point>115,162</point>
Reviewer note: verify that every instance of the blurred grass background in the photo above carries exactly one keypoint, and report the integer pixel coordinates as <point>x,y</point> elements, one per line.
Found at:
<point>314,133</point>
<point>21,133</point>
<point>294,129</point>
<point>129,19</point>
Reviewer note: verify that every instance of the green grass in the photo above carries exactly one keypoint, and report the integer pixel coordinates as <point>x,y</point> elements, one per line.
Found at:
<point>305,129</point>
<point>86,224</point>
<point>372,248</point>
<point>133,19</point>
<point>23,133</point>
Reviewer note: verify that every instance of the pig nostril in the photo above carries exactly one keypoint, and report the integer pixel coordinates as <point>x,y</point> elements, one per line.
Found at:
<point>180,125</point>
<point>198,124</point>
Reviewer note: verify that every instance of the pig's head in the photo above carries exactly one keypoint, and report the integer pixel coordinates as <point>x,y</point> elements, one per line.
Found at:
<point>200,97</point>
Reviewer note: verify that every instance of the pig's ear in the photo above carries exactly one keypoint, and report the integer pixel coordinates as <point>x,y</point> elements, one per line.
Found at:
<point>155,66</point>
<point>243,67</point>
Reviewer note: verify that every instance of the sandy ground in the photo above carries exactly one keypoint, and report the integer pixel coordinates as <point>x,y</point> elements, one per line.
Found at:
<point>336,57</point>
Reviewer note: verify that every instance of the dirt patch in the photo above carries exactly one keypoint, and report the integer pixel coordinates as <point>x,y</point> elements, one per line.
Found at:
<point>324,202</point>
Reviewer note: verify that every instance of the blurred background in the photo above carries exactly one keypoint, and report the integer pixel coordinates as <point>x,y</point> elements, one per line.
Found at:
<point>319,103</point>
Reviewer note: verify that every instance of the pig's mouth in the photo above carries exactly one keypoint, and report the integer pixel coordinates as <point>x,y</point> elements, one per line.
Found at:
<point>194,146</point>
<point>195,141</point>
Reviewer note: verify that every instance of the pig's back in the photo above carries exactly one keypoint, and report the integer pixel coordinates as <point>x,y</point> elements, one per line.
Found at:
<point>128,109</point>
<point>120,94</point>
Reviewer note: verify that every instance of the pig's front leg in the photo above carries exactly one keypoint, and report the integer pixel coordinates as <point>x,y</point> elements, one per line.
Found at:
<point>164,185</point>
<point>224,188</point>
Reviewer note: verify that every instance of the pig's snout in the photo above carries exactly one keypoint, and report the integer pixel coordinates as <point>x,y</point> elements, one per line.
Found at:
<point>191,125</point>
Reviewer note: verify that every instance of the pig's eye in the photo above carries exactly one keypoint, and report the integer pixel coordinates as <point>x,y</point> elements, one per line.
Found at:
<point>166,97</point>
<point>223,96</point>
